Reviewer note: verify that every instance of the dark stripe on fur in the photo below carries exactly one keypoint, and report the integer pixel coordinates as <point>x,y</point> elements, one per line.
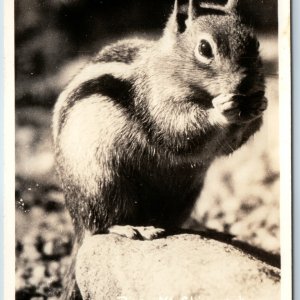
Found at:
<point>118,90</point>
<point>123,54</point>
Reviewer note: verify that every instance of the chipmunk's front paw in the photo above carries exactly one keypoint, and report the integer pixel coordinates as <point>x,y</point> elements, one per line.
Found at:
<point>232,108</point>
<point>137,232</point>
<point>226,108</point>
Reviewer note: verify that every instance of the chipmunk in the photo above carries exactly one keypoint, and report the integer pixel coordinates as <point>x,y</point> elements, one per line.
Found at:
<point>137,129</point>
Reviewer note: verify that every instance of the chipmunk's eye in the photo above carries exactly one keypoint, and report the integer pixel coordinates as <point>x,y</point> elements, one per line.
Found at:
<point>205,49</point>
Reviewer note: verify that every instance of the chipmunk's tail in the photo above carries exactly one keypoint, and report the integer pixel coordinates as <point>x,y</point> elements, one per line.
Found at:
<point>70,289</point>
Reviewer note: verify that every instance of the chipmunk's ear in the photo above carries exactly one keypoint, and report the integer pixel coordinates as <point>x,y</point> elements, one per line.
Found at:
<point>231,5</point>
<point>193,11</point>
<point>182,16</point>
<point>229,8</point>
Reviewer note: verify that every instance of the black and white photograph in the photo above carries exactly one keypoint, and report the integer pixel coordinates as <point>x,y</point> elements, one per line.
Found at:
<point>151,150</point>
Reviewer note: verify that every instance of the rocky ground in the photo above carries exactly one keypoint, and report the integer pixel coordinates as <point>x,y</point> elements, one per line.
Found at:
<point>241,196</point>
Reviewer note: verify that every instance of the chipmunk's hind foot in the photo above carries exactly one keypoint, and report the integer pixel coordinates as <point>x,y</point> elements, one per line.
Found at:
<point>137,232</point>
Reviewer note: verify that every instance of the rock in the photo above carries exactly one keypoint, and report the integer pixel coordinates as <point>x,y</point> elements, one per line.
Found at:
<point>182,266</point>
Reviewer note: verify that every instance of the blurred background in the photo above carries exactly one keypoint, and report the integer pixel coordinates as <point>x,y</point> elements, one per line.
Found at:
<point>53,40</point>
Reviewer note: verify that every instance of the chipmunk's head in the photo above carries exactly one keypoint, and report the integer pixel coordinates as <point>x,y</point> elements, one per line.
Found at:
<point>214,50</point>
